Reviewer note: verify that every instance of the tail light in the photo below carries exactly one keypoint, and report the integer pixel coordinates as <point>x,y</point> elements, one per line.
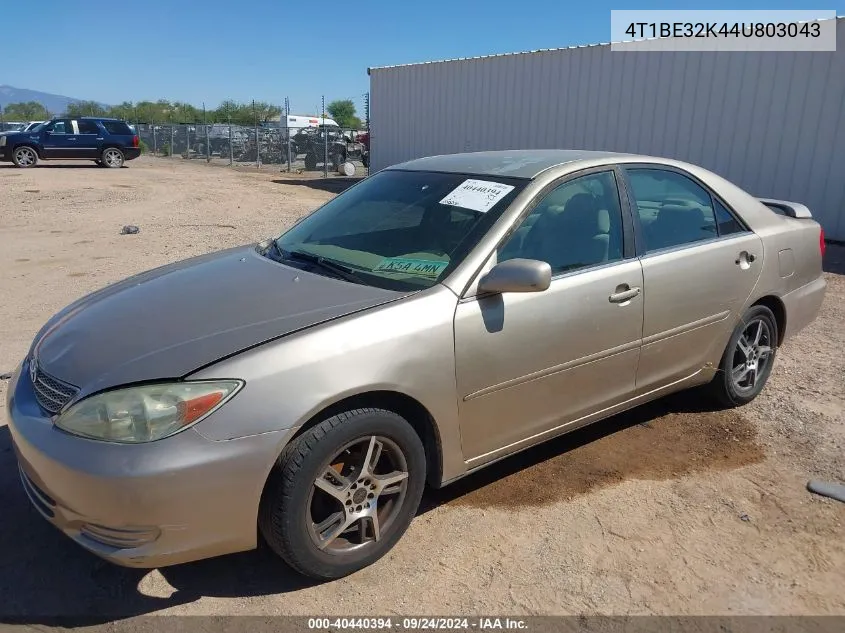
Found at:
<point>135,141</point>
<point>822,246</point>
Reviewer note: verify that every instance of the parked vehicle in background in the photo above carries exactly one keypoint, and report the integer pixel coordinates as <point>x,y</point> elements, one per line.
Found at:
<point>296,122</point>
<point>108,142</point>
<point>364,140</point>
<point>439,316</point>
<point>316,142</point>
<point>11,126</point>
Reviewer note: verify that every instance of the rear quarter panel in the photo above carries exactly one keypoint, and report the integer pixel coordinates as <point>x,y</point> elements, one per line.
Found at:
<point>792,269</point>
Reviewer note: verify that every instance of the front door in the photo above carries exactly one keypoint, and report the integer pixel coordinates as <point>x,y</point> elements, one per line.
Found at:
<point>529,364</point>
<point>700,264</point>
<point>58,139</point>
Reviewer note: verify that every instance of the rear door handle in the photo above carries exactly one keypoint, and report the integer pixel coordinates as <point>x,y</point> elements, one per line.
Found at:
<point>623,293</point>
<point>745,258</point>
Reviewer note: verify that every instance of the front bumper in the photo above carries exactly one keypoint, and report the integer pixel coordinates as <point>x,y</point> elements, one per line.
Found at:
<point>148,505</point>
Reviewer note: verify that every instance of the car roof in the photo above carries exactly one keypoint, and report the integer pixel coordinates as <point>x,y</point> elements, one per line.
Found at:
<point>522,163</point>
<point>96,118</point>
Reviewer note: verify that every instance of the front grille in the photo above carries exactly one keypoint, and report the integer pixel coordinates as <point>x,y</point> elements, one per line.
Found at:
<point>51,393</point>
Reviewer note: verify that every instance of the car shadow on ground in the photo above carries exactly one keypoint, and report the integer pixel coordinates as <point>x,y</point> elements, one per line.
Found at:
<point>834,259</point>
<point>45,575</point>
<point>686,402</point>
<point>332,185</point>
<point>42,165</point>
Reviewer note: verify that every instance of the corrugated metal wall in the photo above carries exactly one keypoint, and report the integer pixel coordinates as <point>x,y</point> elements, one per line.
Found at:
<point>774,123</point>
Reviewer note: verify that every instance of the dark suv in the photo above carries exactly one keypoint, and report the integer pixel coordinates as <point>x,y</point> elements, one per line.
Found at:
<point>108,142</point>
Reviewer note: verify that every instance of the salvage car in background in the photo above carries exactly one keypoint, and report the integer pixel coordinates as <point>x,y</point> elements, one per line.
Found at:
<point>434,318</point>
<point>108,142</point>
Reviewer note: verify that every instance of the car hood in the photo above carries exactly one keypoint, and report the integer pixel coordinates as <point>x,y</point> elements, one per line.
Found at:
<point>170,321</point>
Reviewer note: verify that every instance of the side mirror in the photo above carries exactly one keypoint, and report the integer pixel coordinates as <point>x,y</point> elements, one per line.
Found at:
<point>517,275</point>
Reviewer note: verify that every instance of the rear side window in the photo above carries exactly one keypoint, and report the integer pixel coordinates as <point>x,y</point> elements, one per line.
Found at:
<point>727,222</point>
<point>117,127</point>
<point>674,210</point>
<point>88,127</point>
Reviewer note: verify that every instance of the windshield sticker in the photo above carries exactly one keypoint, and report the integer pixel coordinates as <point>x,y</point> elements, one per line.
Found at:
<point>420,267</point>
<point>477,195</point>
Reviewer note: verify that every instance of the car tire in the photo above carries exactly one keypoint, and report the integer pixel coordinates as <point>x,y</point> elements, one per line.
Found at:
<point>748,358</point>
<point>310,162</point>
<point>113,158</point>
<point>25,157</point>
<point>324,512</point>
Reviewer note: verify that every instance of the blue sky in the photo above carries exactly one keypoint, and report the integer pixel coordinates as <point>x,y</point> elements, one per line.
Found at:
<point>211,50</point>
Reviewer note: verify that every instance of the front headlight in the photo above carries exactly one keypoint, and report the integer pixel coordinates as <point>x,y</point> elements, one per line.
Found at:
<point>146,413</point>
<point>2,141</point>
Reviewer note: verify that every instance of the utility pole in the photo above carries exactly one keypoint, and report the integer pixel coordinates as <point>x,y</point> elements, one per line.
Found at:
<point>257,146</point>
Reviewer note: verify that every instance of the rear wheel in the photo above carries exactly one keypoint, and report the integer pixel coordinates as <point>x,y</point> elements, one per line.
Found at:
<point>748,358</point>
<point>343,493</point>
<point>113,157</point>
<point>24,157</point>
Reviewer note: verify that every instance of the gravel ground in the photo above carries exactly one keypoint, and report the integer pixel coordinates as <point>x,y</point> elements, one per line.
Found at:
<point>670,509</point>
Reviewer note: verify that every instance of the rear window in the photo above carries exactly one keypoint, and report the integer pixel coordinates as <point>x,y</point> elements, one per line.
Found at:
<point>117,127</point>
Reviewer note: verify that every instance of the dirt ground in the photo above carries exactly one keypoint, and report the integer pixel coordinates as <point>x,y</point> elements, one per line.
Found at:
<point>671,509</point>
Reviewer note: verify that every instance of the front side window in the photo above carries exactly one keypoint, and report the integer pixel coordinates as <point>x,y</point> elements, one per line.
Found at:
<point>401,230</point>
<point>60,127</point>
<point>576,225</point>
<point>674,210</point>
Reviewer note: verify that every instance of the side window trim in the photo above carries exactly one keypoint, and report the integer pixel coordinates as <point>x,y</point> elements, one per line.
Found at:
<point>639,236</point>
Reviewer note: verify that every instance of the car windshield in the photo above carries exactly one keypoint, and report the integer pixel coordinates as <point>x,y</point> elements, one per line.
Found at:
<point>399,230</point>
<point>39,127</point>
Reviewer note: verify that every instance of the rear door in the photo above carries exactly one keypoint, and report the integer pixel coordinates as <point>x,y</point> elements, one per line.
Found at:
<point>88,138</point>
<point>700,264</point>
<point>58,139</point>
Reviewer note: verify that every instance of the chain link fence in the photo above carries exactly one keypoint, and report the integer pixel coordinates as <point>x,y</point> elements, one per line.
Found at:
<point>328,149</point>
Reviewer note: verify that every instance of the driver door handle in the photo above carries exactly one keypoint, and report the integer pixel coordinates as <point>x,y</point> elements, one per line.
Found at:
<point>624,293</point>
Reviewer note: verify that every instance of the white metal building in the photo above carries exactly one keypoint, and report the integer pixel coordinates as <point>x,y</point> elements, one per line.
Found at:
<point>774,123</point>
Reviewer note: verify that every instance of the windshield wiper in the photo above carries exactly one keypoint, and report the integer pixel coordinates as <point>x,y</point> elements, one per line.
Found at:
<point>337,269</point>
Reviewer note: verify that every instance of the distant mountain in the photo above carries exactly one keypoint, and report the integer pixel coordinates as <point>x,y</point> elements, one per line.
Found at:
<point>56,104</point>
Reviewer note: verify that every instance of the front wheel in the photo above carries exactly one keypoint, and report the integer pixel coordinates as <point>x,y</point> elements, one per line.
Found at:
<point>113,157</point>
<point>24,157</point>
<point>343,493</point>
<point>748,358</point>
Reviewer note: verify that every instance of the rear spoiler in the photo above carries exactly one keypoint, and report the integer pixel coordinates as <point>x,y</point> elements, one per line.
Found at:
<point>783,207</point>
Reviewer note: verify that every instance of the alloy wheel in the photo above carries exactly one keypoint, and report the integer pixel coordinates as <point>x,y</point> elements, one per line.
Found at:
<point>113,158</point>
<point>752,355</point>
<point>357,495</point>
<point>26,157</point>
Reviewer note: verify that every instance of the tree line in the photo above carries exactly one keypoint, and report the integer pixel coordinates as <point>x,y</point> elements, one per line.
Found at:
<point>164,111</point>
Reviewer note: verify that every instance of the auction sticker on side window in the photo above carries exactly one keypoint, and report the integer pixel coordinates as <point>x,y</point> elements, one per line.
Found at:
<point>421,267</point>
<point>477,195</point>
